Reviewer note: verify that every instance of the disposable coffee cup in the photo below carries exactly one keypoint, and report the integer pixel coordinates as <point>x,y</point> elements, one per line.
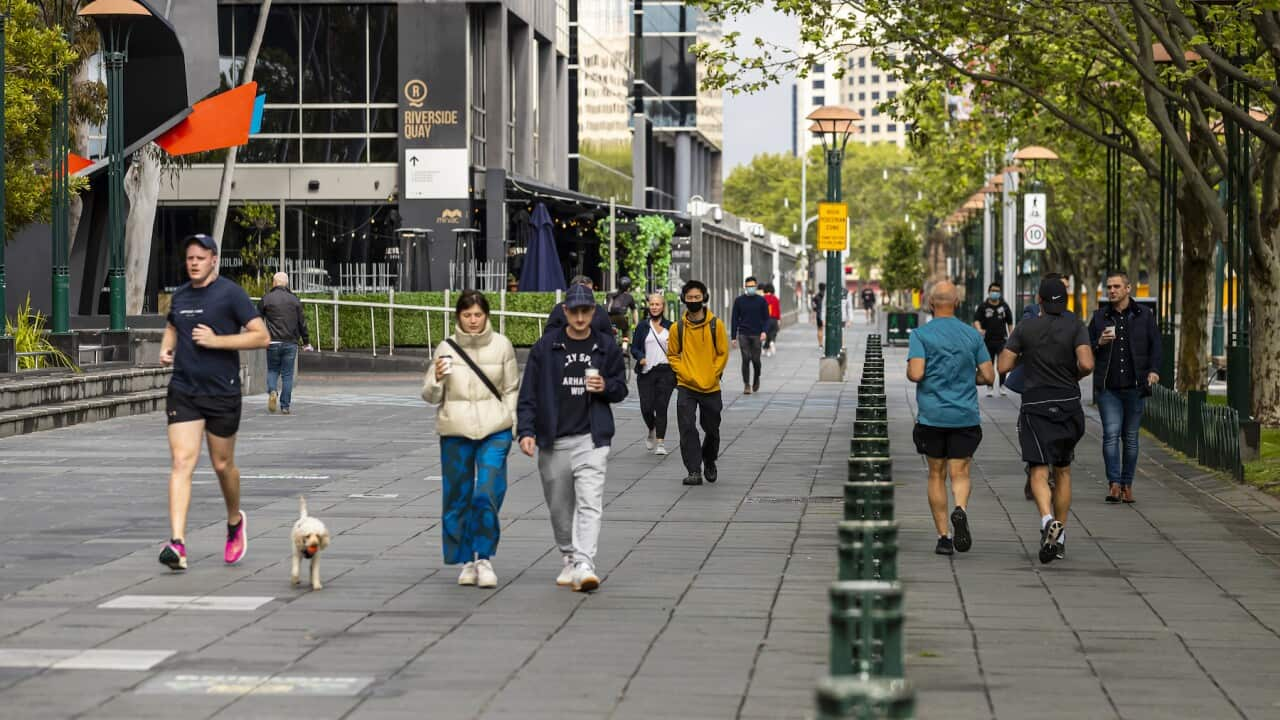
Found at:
<point>590,373</point>
<point>448,364</point>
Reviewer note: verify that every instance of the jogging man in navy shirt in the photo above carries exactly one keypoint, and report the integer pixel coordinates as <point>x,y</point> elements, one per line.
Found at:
<point>210,320</point>
<point>749,325</point>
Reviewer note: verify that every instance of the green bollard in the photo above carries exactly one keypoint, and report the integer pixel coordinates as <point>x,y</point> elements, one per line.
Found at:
<point>868,550</point>
<point>871,428</point>
<point>877,400</point>
<point>865,698</point>
<point>866,628</point>
<point>870,388</point>
<point>863,468</point>
<point>868,500</point>
<point>868,446</point>
<point>870,413</point>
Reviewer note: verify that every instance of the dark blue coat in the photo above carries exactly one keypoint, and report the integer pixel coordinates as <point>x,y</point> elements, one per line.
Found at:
<point>639,336</point>
<point>538,409</point>
<point>1144,343</point>
<point>750,316</point>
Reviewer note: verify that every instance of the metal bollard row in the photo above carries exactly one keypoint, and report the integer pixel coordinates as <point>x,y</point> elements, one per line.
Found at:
<point>867,615</point>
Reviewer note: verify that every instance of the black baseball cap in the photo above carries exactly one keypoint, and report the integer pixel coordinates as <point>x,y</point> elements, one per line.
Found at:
<point>203,241</point>
<point>1053,295</point>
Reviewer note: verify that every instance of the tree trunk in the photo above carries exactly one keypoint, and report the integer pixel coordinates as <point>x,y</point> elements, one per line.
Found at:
<point>142,186</point>
<point>1264,279</point>
<point>1196,274</point>
<point>229,163</point>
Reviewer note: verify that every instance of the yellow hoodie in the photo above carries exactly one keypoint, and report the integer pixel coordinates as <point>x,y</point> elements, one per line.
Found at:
<point>699,361</point>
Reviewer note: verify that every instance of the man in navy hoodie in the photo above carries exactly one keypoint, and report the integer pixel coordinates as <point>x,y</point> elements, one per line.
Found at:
<point>748,327</point>
<point>572,376</point>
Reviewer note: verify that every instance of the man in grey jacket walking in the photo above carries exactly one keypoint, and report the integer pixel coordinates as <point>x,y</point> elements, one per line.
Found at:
<point>282,311</point>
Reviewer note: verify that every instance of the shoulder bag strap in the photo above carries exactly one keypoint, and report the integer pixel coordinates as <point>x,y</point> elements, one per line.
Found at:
<point>475,368</point>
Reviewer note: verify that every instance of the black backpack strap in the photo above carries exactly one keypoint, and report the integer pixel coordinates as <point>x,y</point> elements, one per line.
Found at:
<point>714,332</point>
<point>475,368</point>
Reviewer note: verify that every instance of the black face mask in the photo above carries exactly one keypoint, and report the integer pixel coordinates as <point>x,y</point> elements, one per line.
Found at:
<point>654,315</point>
<point>694,306</point>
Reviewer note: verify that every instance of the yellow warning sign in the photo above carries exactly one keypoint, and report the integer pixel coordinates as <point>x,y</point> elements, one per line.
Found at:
<point>832,220</point>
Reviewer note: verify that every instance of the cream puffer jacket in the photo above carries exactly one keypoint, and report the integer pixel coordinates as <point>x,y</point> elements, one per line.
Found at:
<point>467,408</point>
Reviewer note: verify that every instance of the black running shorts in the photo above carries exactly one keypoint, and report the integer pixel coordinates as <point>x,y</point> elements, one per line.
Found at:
<point>950,443</point>
<point>220,413</point>
<point>1049,440</point>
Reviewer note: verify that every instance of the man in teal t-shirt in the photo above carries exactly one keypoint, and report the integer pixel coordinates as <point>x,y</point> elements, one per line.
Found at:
<point>947,360</point>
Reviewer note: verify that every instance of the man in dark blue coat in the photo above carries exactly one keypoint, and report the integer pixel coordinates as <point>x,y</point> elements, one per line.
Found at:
<point>748,328</point>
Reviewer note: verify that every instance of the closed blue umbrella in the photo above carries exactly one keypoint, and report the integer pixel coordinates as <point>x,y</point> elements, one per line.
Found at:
<point>542,271</point>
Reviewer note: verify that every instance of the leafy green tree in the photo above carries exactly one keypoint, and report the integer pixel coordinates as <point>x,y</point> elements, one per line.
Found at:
<point>902,264</point>
<point>259,220</point>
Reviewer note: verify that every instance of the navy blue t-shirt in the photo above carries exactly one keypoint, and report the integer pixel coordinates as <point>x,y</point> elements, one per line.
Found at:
<point>225,307</point>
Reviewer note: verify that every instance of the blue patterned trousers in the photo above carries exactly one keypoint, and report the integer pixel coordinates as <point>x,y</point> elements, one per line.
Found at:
<point>475,481</point>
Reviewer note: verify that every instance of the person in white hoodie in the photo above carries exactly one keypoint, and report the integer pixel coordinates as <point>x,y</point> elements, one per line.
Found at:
<point>475,383</point>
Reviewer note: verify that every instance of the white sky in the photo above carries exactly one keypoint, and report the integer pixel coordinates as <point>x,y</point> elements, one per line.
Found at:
<point>759,123</point>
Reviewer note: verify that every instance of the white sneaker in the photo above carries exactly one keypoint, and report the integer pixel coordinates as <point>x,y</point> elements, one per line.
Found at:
<point>661,448</point>
<point>649,442</point>
<point>1002,392</point>
<point>990,392</point>
<point>485,577</point>
<point>584,578</point>
<point>468,574</point>
<point>566,572</point>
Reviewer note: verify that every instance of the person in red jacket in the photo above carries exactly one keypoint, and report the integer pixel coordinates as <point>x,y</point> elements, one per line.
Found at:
<point>775,319</point>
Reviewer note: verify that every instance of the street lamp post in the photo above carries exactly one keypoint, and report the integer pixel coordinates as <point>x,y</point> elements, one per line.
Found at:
<point>833,124</point>
<point>1167,284</point>
<point>4,235</point>
<point>59,222</point>
<point>114,19</point>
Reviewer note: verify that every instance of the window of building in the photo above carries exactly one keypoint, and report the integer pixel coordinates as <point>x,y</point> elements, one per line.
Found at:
<point>875,95</point>
<point>862,79</point>
<point>478,100</point>
<point>862,96</point>
<point>875,128</point>
<point>862,61</point>
<point>891,78</point>
<point>891,94</point>
<point>875,110</point>
<point>891,127</point>
<point>819,84</point>
<point>875,78</point>
<point>330,76</point>
<point>820,67</point>
<point>819,100</point>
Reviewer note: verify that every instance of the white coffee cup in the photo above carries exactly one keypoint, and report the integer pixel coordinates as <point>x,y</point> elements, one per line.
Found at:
<point>447,360</point>
<point>590,373</point>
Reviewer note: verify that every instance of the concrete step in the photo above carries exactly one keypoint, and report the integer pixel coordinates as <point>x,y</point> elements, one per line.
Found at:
<point>18,392</point>
<point>56,415</point>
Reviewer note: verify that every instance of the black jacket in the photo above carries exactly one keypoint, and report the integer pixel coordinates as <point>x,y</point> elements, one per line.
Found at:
<point>538,409</point>
<point>1144,343</point>
<point>282,311</point>
<point>750,316</point>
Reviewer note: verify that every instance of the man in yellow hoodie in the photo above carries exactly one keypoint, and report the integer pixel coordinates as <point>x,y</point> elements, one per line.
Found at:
<point>698,350</point>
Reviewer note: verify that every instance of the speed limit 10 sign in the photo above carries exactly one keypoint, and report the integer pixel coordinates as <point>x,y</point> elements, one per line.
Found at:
<point>1034,216</point>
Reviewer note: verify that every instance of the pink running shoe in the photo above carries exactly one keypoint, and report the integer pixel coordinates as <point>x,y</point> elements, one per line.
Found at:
<point>174,555</point>
<point>237,540</point>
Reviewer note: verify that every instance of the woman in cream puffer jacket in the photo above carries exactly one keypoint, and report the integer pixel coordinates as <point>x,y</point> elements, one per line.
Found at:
<point>475,427</point>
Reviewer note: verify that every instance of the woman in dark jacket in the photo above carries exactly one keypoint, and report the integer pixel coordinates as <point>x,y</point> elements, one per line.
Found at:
<point>654,377</point>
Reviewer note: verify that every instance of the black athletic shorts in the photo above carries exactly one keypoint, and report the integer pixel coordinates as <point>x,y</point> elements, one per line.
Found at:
<point>220,413</point>
<point>1049,437</point>
<point>950,443</point>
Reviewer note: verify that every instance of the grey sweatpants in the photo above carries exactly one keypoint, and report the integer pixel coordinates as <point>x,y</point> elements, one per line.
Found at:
<point>573,485</point>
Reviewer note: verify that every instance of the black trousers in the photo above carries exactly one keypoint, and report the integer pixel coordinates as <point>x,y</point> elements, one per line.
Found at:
<point>694,451</point>
<point>772,332</point>
<point>749,348</point>
<point>993,349</point>
<point>655,388</point>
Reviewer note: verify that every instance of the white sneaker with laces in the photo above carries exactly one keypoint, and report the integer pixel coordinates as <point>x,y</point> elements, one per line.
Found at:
<point>485,576</point>
<point>584,578</point>
<point>468,574</point>
<point>649,442</point>
<point>1002,392</point>
<point>661,449</point>
<point>565,577</point>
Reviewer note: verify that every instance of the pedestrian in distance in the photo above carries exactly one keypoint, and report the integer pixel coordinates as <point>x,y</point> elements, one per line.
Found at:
<point>475,383</point>
<point>1055,354</point>
<point>571,378</point>
<point>818,305</point>
<point>287,323</point>
<point>599,321</point>
<point>775,319</point>
<point>211,319</point>
<point>654,377</point>
<point>869,302</point>
<point>749,324</point>
<point>622,308</point>
<point>947,360</point>
<point>994,320</point>
<point>1014,379</point>
<point>698,352</point>
<point>1127,355</point>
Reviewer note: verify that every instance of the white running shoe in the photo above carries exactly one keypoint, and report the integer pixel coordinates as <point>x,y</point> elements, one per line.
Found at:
<point>649,442</point>
<point>660,449</point>
<point>1002,392</point>
<point>468,574</point>
<point>990,392</point>
<point>565,577</point>
<point>485,577</point>
<point>584,578</point>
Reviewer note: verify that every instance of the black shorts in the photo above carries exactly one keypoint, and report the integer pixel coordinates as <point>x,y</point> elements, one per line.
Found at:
<point>1049,440</point>
<point>220,413</point>
<point>950,443</point>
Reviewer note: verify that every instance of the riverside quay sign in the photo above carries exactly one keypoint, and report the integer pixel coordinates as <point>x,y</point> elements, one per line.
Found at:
<point>417,124</point>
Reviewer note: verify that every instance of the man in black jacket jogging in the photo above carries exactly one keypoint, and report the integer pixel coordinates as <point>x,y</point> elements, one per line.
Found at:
<point>282,311</point>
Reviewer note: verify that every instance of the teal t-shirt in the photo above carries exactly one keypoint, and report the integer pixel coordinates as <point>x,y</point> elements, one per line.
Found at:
<point>952,351</point>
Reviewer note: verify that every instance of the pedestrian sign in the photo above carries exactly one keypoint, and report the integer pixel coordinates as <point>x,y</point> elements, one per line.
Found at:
<point>833,220</point>
<point>1034,216</point>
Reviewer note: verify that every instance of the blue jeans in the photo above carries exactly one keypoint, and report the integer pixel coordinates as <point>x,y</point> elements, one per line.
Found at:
<point>280,360</point>
<point>475,482</point>
<point>1121,412</point>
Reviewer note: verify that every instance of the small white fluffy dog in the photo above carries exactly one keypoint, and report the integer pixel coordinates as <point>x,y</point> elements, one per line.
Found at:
<point>309,536</point>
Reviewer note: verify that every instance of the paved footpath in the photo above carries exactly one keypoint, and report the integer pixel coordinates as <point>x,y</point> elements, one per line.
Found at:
<point>714,598</point>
